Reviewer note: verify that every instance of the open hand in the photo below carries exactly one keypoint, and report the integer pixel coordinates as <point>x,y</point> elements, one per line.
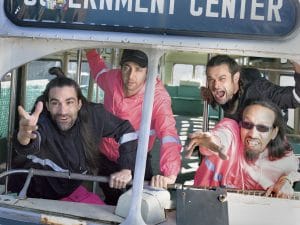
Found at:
<point>205,139</point>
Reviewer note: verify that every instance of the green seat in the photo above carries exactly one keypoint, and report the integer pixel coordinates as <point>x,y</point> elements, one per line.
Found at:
<point>297,186</point>
<point>295,143</point>
<point>186,100</point>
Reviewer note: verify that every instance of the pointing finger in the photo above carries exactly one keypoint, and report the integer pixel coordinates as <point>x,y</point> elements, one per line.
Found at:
<point>38,109</point>
<point>23,113</point>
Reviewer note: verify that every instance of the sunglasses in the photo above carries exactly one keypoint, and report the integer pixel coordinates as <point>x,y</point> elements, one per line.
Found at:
<point>259,127</point>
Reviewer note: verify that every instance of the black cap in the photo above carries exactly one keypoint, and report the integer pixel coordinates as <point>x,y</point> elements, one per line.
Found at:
<point>136,56</point>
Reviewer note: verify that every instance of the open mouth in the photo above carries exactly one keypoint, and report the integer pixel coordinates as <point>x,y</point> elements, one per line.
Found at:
<point>252,143</point>
<point>220,94</point>
<point>62,119</point>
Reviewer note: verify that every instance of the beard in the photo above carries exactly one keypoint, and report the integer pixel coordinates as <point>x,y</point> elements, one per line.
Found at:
<point>63,125</point>
<point>250,155</point>
<point>231,105</point>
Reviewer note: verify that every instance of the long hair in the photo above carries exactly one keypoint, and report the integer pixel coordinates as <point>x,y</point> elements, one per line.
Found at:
<point>279,146</point>
<point>86,126</point>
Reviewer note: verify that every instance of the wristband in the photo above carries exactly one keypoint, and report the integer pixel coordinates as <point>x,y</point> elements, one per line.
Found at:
<point>287,179</point>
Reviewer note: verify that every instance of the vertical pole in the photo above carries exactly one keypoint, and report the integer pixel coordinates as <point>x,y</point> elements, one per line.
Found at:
<point>135,215</point>
<point>11,121</point>
<point>205,108</point>
<point>78,69</point>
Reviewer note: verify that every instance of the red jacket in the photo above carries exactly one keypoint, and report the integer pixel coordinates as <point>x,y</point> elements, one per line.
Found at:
<point>130,108</point>
<point>235,172</point>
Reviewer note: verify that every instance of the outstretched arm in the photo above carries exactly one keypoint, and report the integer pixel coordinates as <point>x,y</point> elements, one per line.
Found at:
<point>207,140</point>
<point>28,124</point>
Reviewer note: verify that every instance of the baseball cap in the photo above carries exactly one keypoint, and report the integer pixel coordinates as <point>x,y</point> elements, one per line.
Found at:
<point>136,56</point>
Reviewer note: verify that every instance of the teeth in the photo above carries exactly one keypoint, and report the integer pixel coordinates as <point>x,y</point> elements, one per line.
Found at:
<point>252,142</point>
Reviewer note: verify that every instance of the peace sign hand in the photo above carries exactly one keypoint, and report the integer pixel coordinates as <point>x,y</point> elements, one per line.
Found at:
<point>28,123</point>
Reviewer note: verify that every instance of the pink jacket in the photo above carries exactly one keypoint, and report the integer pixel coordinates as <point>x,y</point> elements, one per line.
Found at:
<point>130,108</point>
<point>235,172</point>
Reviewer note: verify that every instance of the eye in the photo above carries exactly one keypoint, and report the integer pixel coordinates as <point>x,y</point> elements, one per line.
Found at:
<point>125,68</point>
<point>54,103</point>
<point>210,81</point>
<point>247,125</point>
<point>70,102</point>
<point>262,128</point>
<point>139,69</point>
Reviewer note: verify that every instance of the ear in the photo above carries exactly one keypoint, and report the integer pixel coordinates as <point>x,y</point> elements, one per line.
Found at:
<point>274,133</point>
<point>236,77</point>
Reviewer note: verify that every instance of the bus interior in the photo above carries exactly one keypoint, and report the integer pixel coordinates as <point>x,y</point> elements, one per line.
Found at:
<point>183,74</point>
<point>179,38</point>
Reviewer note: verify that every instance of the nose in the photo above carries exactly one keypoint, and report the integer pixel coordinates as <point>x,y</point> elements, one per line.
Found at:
<point>63,109</point>
<point>130,74</point>
<point>216,84</point>
<point>253,132</point>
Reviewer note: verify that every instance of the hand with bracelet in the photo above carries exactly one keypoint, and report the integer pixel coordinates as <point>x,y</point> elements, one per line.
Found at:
<point>283,188</point>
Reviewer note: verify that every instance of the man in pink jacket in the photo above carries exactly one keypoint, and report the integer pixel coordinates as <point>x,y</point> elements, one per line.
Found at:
<point>252,155</point>
<point>124,94</point>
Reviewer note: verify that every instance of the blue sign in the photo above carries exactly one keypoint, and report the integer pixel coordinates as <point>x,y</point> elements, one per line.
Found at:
<point>234,18</point>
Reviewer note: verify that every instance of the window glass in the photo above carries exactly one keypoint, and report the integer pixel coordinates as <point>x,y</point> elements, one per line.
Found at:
<point>98,94</point>
<point>182,72</point>
<point>4,104</point>
<point>286,80</point>
<point>200,74</point>
<point>185,74</point>
<point>37,79</point>
<point>5,84</point>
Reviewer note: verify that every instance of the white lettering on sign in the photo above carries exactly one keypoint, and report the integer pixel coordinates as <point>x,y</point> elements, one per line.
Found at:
<point>243,9</point>
<point>194,11</point>
<point>228,9</point>
<point>209,12</point>
<point>74,5</point>
<point>92,4</point>
<point>138,7</point>
<point>273,8</point>
<point>254,6</point>
<point>258,10</point>
<point>124,3</point>
<point>228,6</point>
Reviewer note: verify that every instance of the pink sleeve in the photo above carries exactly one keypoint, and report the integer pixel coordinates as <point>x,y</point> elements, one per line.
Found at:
<point>224,130</point>
<point>97,67</point>
<point>165,128</point>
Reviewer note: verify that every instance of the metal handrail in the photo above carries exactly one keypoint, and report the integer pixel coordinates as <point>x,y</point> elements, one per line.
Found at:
<point>47,173</point>
<point>66,175</point>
